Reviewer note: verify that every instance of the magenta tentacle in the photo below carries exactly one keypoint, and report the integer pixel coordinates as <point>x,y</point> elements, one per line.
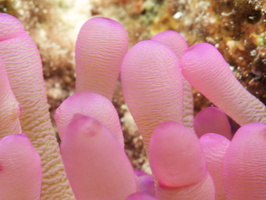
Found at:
<point>212,120</point>
<point>244,163</point>
<point>152,86</point>
<point>24,69</point>
<point>201,190</point>
<point>95,162</point>
<point>146,184</point>
<point>90,104</point>
<point>9,106</point>
<point>100,49</point>
<point>205,68</point>
<point>140,196</point>
<point>173,40</point>
<point>178,44</point>
<point>178,163</point>
<point>214,147</point>
<point>20,169</point>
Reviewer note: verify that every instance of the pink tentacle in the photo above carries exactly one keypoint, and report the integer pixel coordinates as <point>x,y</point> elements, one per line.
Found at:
<point>212,120</point>
<point>178,163</point>
<point>20,169</point>
<point>178,44</point>
<point>206,70</point>
<point>244,164</point>
<point>214,147</point>
<point>95,162</point>
<point>90,104</point>
<point>152,86</point>
<point>100,49</point>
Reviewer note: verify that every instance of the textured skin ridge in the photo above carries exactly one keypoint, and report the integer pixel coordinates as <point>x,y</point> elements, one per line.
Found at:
<point>205,68</point>
<point>244,163</point>
<point>10,23</point>
<point>152,86</point>
<point>90,104</point>
<point>100,49</point>
<point>24,69</point>
<point>9,106</point>
<point>178,44</point>
<point>214,147</point>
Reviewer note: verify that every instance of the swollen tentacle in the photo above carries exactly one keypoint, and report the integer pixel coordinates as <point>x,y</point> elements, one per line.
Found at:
<point>96,164</point>
<point>92,105</point>
<point>244,164</point>
<point>205,68</point>
<point>24,69</point>
<point>20,169</point>
<point>178,44</point>
<point>100,49</point>
<point>152,86</point>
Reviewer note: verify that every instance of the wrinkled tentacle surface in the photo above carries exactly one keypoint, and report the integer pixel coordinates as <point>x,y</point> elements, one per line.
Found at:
<point>90,104</point>
<point>9,106</point>
<point>205,68</point>
<point>96,164</point>
<point>212,120</point>
<point>214,147</point>
<point>152,86</point>
<point>178,44</point>
<point>23,66</point>
<point>100,49</point>
<point>20,169</point>
<point>178,163</point>
<point>244,164</point>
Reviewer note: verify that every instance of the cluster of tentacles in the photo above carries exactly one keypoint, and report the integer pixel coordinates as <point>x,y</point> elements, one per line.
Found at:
<point>155,75</point>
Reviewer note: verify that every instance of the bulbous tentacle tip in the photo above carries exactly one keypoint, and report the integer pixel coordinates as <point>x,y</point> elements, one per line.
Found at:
<point>172,39</point>
<point>89,104</point>
<point>87,126</point>
<point>197,54</point>
<point>9,26</point>
<point>88,149</point>
<point>20,167</point>
<point>176,157</point>
<point>212,120</point>
<point>244,163</point>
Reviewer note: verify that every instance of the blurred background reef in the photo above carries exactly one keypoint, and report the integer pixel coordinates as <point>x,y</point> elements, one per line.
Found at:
<point>237,28</point>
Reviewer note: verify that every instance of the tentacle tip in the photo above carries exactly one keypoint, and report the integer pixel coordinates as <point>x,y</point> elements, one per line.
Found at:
<point>9,26</point>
